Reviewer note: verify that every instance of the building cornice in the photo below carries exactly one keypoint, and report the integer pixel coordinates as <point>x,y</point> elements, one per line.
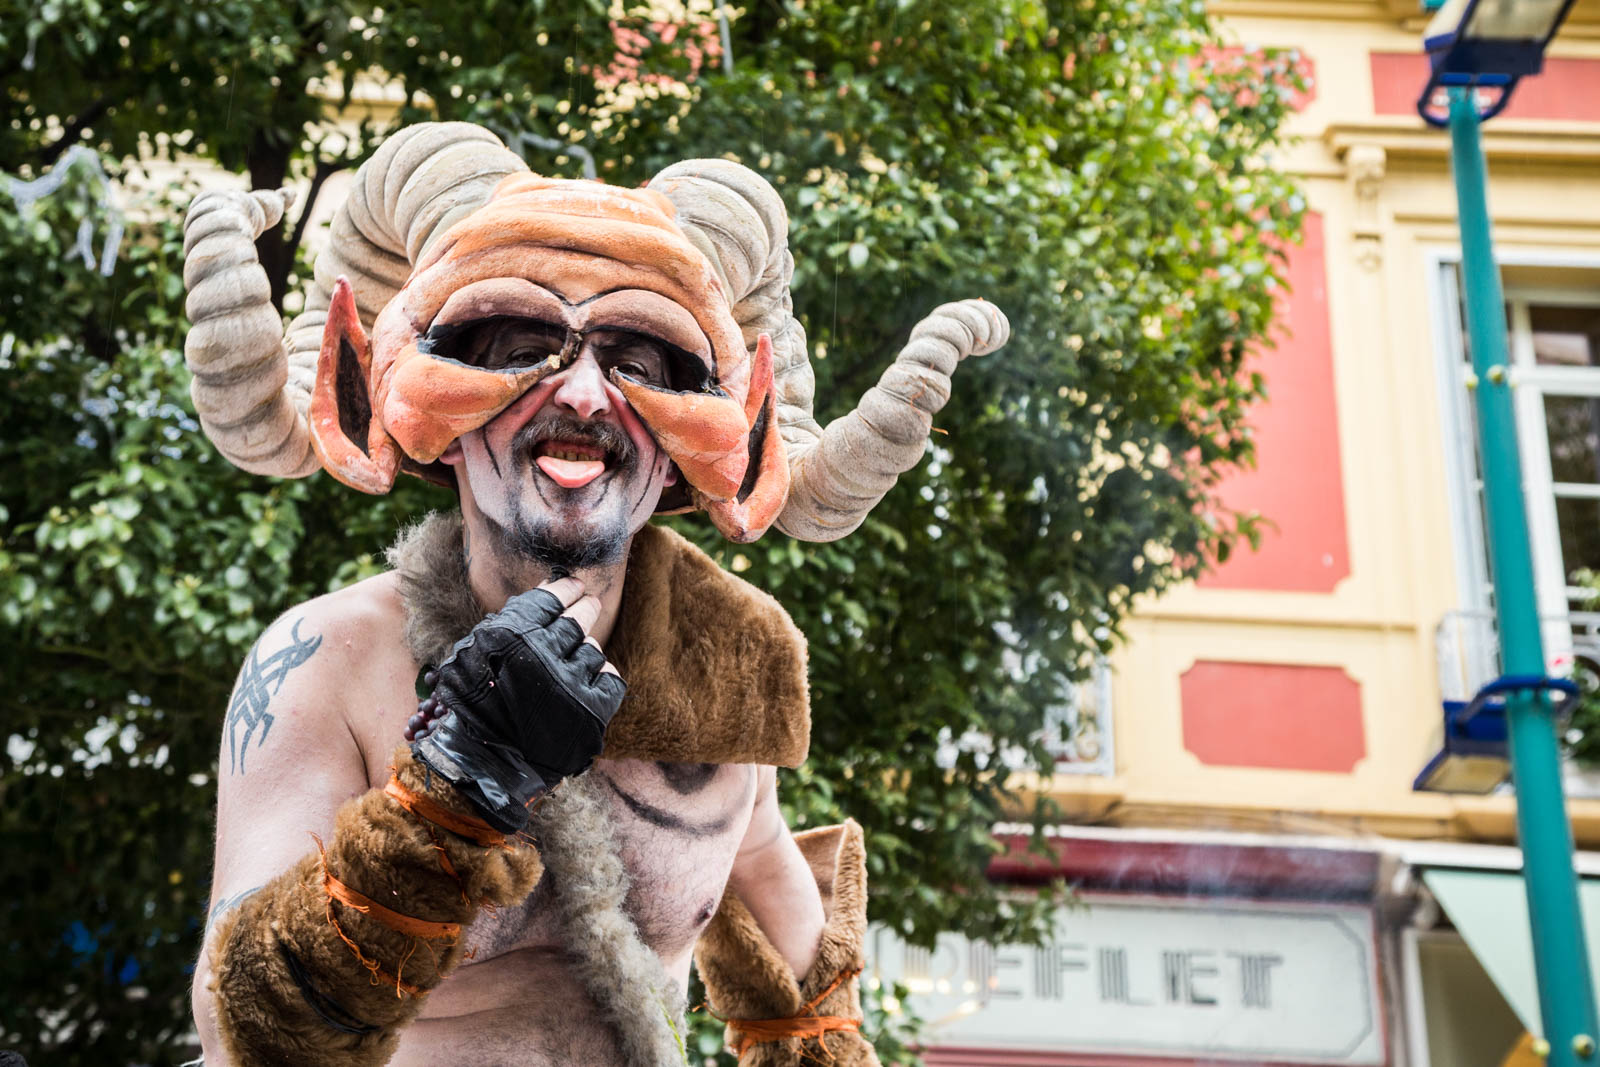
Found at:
<point>1391,11</point>
<point>1583,21</point>
<point>1110,802</point>
<point>1402,137</point>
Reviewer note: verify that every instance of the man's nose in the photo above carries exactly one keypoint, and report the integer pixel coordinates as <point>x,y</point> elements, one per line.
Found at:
<point>581,387</point>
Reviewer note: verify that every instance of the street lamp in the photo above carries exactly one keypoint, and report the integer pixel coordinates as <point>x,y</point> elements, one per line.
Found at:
<point>1476,754</point>
<point>1486,44</point>
<point>1473,44</point>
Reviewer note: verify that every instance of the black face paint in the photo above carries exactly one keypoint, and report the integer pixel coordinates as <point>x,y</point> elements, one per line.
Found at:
<point>644,490</point>
<point>492,461</point>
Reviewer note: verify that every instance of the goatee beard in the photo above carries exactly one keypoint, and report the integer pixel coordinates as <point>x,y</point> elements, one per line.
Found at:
<point>556,547</point>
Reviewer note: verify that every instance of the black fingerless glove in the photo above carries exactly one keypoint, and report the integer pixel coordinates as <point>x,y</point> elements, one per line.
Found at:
<point>521,704</point>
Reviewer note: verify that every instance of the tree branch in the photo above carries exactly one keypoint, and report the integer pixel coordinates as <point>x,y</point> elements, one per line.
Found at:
<point>325,170</point>
<point>51,152</point>
<point>98,340</point>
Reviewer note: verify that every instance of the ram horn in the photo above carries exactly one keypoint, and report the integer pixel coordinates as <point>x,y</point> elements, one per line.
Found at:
<point>252,379</point>
<point>837,474</point>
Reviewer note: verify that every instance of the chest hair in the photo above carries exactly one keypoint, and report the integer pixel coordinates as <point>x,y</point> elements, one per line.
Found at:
<point>677,828</point>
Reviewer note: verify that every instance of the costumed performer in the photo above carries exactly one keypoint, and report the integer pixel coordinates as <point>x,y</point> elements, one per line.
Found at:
<point>519,866</point>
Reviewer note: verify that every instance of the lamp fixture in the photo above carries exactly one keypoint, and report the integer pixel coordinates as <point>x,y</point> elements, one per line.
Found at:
<point>1476,755</point>
<point>1486,44</point>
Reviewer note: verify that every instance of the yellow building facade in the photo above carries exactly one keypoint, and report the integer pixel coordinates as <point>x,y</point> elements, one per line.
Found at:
<point>1379,189</point>
<point>1263,882</point>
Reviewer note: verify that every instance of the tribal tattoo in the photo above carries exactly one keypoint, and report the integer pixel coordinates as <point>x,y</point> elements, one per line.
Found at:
<point>259,682</point>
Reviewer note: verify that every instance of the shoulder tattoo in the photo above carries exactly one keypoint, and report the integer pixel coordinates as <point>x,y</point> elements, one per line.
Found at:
<point>259,681</point>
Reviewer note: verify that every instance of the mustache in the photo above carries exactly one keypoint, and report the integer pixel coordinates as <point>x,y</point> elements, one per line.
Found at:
<point>619,447</point>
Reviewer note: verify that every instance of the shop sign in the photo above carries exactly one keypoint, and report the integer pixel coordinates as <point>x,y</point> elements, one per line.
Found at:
<point>1143,976</point>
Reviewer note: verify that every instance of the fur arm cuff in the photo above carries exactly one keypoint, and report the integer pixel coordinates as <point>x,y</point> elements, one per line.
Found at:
<point>747,980</point>
<point>330,960</point>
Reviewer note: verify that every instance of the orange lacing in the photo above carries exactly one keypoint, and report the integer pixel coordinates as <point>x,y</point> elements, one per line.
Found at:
<point>805,1023</point>
<point>449,868</point>
<point>426,808</point>
<point>420,930</point>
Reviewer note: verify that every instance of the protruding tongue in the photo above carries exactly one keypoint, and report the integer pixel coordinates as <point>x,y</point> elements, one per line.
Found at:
<point>571,473</point>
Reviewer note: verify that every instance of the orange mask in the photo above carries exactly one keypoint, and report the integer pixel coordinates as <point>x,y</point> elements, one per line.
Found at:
<point>631,268</point>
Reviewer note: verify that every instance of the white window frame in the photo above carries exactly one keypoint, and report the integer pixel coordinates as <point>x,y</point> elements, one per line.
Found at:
<point>1069,733</point>
<point>1532,383</point>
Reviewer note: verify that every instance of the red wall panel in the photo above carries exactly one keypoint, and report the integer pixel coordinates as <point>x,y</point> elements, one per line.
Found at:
<point>1568,89</point>
<point>1272,715</point>
<point>1298,482</point>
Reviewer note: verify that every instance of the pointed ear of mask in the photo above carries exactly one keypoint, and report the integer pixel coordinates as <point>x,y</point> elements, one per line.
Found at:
<point>351,444</point>
<point>765,488</point>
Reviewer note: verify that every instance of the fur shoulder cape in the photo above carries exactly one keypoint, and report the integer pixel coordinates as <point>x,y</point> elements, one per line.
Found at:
<point>716,669</point>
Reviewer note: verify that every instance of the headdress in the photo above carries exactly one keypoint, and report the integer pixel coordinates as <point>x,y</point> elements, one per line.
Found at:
<point>444,225</point>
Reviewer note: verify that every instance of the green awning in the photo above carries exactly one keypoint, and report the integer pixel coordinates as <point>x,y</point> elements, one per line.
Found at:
<point>1490,909</point>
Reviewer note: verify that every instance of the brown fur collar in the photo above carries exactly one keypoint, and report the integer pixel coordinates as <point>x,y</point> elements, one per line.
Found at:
<point>716,670</point>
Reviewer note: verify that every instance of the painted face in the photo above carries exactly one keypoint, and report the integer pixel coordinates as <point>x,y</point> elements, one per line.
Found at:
<point>579,268</point>
<point>568,472</point>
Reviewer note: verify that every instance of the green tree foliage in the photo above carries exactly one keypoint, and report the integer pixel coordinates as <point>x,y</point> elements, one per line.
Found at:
<point>1096,168</point>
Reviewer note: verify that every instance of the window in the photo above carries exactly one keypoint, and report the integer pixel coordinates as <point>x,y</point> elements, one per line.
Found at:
<point>1076,733</point>
<point>1553,320</point>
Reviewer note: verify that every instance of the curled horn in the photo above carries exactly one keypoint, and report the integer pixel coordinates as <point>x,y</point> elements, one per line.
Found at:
<point>248,401</point>
<point>838,474</point>
<point>252,379</point>
<point>842,472</point>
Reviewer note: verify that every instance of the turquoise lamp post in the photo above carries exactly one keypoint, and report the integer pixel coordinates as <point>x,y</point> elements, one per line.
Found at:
<point>1479,50</point>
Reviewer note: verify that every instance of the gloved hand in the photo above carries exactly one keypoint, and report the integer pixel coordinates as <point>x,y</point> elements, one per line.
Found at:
<point>522,702</point>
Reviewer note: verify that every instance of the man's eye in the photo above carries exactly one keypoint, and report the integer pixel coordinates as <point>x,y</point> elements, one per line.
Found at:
<point>521,345</point>
<point>526,356</point>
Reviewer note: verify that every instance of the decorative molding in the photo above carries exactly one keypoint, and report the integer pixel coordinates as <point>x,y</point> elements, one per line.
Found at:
<point>1368,252</point>
<point>1526,140</point>
<point>1366,165</point>
<point>1345,10</point>
<point>1363,812</point>
<point>1281,716</point>
<point>1365,168</point>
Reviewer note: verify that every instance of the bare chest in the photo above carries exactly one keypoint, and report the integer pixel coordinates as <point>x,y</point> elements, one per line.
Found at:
<point>677,828</point>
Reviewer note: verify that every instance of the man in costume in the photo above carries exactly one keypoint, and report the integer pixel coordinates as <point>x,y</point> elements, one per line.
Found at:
<point>586,793</point>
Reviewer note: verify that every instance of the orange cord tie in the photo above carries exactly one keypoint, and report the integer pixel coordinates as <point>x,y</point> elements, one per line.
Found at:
<point>405,924</point>
<point>426,808</point>
<point>751,1032</point>
<point>449,868</point>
